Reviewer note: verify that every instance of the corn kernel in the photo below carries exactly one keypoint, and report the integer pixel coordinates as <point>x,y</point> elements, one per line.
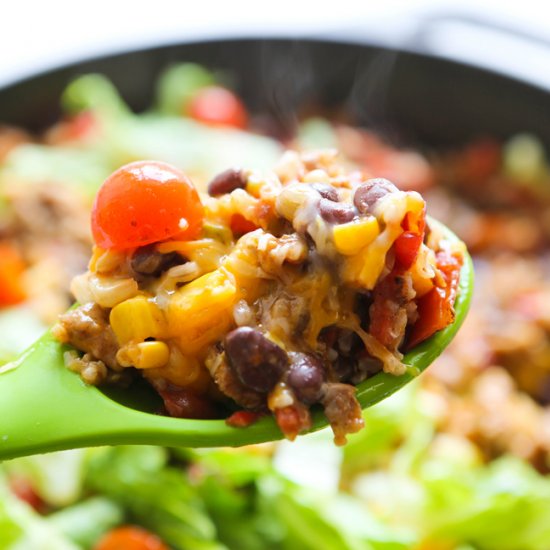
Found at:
<point>364,268</point>
<point>201,312</point>
<point>145,355</point>
<point>136,319</point>
<point>350,238</point>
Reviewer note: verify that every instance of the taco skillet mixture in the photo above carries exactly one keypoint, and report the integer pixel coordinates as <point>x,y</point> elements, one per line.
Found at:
<point>458,460</point>
<point>276,291</point>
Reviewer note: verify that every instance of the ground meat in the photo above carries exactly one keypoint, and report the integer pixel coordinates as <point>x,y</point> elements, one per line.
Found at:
<point>87,329</point>
<point>390,309</point>
<point>342,411</point>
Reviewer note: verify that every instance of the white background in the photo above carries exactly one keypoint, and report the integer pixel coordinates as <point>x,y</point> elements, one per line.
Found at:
<point>40,34</point>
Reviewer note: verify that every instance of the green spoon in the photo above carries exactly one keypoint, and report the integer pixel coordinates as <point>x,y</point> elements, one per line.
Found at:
<point>44,407</point>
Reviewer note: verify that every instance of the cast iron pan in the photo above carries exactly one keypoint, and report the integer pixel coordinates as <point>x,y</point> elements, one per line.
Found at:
<point>408,97</point>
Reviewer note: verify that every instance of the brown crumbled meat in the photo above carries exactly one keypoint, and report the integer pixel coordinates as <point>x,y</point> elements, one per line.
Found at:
<point>342,411</point>
<point>228,383</point>
<point>87,329</point>
<point>390,309</point>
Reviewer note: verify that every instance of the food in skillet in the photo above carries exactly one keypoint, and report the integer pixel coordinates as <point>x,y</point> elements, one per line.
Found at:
<point>275,291</point>
<point>437,467</point>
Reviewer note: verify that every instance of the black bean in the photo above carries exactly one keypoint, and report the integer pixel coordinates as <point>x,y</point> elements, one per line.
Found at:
<point>257,362</point>
<point>306,377</point>
<point>227,181</point>
<point>369,192</point>
<point>147,261</point>
<point>336,212</point>
<point>326,191</point>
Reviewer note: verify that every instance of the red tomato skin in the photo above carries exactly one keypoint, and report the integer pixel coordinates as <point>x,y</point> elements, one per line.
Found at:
<point>145,202</point>
<point>408,244</point>
<point>23,490</point>
<point>130,537</point>
<point>11,272</point>
<point>219,107</point>
<point>435,309</point>
<point>242,419</point>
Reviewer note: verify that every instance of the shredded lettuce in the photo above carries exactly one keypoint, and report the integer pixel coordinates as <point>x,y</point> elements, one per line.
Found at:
<point>437,488</point>
<point>94,92</point>
<point>19,328</point>
<point>57,478</point>
<point>86,522</point>
<point>21,528</point>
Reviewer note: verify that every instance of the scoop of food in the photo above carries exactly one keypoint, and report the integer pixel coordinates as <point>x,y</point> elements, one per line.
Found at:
<point>271,293</point>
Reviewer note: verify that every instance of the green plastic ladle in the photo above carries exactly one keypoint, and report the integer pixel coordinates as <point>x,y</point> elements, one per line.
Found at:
<point>45,407</point>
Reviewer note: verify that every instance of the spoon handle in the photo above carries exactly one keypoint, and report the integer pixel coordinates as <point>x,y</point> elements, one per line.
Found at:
<point>44,407</point>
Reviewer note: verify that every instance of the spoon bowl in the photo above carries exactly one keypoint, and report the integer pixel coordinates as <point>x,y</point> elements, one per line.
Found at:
<point>45,407</point>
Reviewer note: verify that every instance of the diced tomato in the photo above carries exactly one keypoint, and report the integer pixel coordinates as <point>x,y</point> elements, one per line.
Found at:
<point>240,225</point>
<point>24,491</point>
<point>130,538</point>
<point>242,419</point>
<point>408,244</point>
<point>406,248</point>
<point>219,107</point>
<point>435,309</point>
<point>388,302</point>
<point>11,272</point>
<point>146,202</point>
<point>293,420</point>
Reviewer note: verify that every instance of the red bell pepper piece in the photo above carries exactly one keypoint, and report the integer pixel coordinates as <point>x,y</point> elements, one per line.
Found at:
<point>435,309</point>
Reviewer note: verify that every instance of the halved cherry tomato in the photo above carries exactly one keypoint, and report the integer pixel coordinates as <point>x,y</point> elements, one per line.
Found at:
<point>146,202</point>
<point>435,309</point>
<point>130,538</point>
<point>218,106</point>
<point>11,271</point>
<point>408,244</point>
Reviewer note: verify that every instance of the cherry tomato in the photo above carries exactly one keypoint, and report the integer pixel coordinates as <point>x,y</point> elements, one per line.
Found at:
<point>145,202</point>
<point>130,538</point>
<point>217,106</point>
<point>435,309</point>
<point>11,271</point>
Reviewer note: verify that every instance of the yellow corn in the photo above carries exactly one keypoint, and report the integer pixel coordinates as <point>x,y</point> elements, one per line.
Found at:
<point>201,312</point>
<point>242,265</point>
<point>183,371</point>
<point>350,238</point>
<point>145,355</point>
<point>422,276</point>
<point>364,269</point>
<point>136,319</point>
